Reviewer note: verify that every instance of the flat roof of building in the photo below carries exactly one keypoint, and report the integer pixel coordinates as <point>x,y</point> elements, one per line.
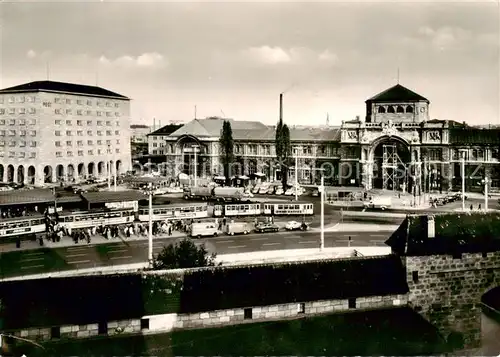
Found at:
<point>19,197</point>
<point>111,196</point>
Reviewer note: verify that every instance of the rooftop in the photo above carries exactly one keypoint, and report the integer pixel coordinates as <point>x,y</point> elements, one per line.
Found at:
<point>111,196</point>
<point>212,126</point>
<point>70,88</point>
<point>166,130</point>
<point>20,197</point>
<point>397,93</point>
<point>454,233</point>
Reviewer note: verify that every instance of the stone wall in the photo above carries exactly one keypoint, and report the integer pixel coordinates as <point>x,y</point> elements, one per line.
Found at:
<point>168,322</point>
<point>447,291</point>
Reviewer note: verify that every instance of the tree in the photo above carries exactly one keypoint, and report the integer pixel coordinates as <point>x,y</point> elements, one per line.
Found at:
<point>183,254</point>
<point>226,148</point>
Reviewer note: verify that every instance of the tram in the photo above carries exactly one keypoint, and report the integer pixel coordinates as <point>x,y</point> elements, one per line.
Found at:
<point>174,211</point>
<point>19,226</point>
<point>267,208</point>
<point>86,219</point>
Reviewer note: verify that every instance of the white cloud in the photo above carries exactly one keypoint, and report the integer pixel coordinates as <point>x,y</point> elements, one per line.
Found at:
<point>149,59</point>
<point>31,54</point>
<point>327,56</point>
<point>445,37</point>
<point>268,55</point>
<point>296,55</point>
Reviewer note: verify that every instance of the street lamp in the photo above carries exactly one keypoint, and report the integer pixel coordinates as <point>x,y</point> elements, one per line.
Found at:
<point>463,152</point>
<point>195,148</point>
<point>296,172</point>
<point>322,193</point>
<point>486,181</point>
<point>115,169</point>
<point>109,168</point>
<point>149,191</point>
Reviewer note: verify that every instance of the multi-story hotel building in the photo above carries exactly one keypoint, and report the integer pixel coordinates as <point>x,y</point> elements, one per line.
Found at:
<point>52,131</point>
<point>396,146</point>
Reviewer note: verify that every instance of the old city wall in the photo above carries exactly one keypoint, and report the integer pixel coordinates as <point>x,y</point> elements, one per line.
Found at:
<point>447,291</point>
<point>208,297</point>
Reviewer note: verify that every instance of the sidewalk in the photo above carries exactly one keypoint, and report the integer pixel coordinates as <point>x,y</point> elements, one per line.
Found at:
<point>357,227</point>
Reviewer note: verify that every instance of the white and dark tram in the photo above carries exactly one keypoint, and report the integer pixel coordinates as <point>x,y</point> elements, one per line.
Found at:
<point>267,208</point>
<point>21,226</point>
<point>86,219</point>
<point>174,211</point>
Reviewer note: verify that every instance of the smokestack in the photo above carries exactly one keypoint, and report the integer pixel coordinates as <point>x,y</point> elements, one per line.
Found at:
<point>281,106</point>
<point>154,123</point>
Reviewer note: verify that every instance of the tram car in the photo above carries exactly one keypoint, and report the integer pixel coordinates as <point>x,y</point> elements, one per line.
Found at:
<point>174,211</point>
<point>86,219</point>
<point>266,208</point>
<point>19,226</point>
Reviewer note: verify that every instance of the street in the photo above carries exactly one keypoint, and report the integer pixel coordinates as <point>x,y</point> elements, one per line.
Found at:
<point>18,263</point>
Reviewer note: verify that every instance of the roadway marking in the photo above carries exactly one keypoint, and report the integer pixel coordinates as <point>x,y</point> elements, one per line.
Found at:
<point>351,235</point>
<point>32,266</point>
<point>75,255</point>
<point>226,241</point>
<point>33,253</point>
<point>237,246</point>
<point>378,235</point>
<point>118,251</point>
<point>271,244</point>
<point>308,242</point>
<point>77,248</point>
<point>122,257</point>
<point>79,262</point>
<point>262,238</point>
<point>31,260</point>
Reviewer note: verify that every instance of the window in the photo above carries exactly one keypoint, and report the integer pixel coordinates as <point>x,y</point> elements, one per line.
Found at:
<point>22,121</point>
<point>11,100</point>
<point>79,112</point>
<point>58,154</point>
<point>68,122</point>
<point>2,132</point>
<point>12,143</point>
<point>90,152</point>
<point>116,105</point>
<point>57,111</point>
<point>22,110</point>
<point>32,110</point>
<point>99,152</point>
<point>12,111</point>
<point>33,132</point>
<point>99,133</point>
<point>89,102</point>
<point>99,113</point>
<point>20,99</point>
<point>89,133</point>
<point>58,133</point>
<point>69,133</point>
<point>118,141</point>
<point>79,122</point>
<point>98,103</point>
<point>79,133</point>
<point>108,114</point>
<point>144,324</point>
<point>301,308</point>
<point>2,111</point>
<point>414,275</point>
<point>12,122</point>
<point>68,101</point>
<point>2,143</point>
<point>117,132</point>
<point>108,123</point>
<point>400,109</point>
<point>47,104</point>
<point>69,143</point>
<point>89,122</point>
<point>79,102</point>
<point>57,122</point>
<point>55,332</point>
<point>68,111</point>
<point>69,153</point>
<point>352,303</point>
<point>21,154</point>
<point>108,142</point>
<point>108,132</point>
<point>99,122</point>
<point>390,109</point>
<point>32,121</point>
<point>32,155</point>
<point>99,142</point>
<point>58,143</point>
<point>33,144</point>
<point>117,151</point>
<point>381,109</point>
<point>12,133</point>
<point>12,154</point>
<point>88,112</point>
<point>22,144</point>
<point>80,152</point>
<point>117,123</point>
<point>57,100</point>
<point>247,313</point>
<point>90,142</point>
<point>79,143</point>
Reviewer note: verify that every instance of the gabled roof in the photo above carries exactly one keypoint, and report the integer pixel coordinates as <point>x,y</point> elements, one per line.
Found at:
<point>454,233</point>
<point>315,134</point>
<point>397,93</point>
<point>212,126</point>
<point>70,88</point>
<point>166,130</point>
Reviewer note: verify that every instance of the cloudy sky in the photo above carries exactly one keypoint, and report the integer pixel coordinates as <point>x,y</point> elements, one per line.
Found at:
<point>234,58</point>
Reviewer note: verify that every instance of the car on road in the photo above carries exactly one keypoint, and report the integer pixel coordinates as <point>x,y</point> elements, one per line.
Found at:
<point>266,227</point>
<point>315,193</point>
<point>279,191</point>
<point>295,226</point>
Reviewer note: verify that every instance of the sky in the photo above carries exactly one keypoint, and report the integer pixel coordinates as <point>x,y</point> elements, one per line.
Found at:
<point>232,59</point>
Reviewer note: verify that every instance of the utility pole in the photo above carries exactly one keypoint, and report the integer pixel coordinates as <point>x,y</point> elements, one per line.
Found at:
<point>463,152</point>
<point>195,148</point>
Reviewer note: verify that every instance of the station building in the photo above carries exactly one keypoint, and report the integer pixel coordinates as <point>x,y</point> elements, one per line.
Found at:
<point>396,146</point>
<point>54,131</point>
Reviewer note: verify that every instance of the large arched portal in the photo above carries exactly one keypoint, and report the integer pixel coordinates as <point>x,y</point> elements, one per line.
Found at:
<point>1,172</point>
<point>31,175</point>
<point>193,152</point>
<point>60,173</point>
<point>391,169</point>
<point>100,168</point>
<point>47,174</point>
<point>20,174</point>
<point>81,171</point>
<point>10,173</point>
<point>91,169</point>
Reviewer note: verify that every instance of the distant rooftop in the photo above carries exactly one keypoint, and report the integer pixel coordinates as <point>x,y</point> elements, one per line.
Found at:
<point>139,126</point>
<point>167,129</point>
<point>70,88</point>
<point>397,93</point>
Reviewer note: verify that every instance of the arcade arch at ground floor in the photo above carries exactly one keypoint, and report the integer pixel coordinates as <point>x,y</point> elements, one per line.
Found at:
<point>31,174</point>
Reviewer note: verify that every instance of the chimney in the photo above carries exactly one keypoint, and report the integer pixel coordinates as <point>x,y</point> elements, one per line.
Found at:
<point>281,106</point>
<point>154,124</point>
<point>431,227</point>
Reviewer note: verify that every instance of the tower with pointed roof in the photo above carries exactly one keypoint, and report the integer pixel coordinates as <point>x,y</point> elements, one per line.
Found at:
<point>397,104</point>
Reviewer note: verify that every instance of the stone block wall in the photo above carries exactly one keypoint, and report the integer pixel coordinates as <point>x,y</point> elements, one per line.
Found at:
<point>79,331</point>
<point>447,291</point>
<point>124,326</point>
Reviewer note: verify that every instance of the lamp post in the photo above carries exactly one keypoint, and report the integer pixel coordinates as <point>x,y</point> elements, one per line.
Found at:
<point>109,168</point>
<point>322,246</point>
<point>115,169</point>
<point>296,172</point>
<point>149,191</point>
<point>195,148</point>
<point>486,182</point>
<point>462,152</point>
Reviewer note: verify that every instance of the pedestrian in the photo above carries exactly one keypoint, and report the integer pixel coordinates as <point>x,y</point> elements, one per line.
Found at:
<point>471,207</point>
<point>479,207</point>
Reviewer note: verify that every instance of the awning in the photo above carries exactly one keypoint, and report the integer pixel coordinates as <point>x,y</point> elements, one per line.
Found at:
<point>259,174</point>
<point>244,177</point>
<point>19,197</point>
<point>111,196</point>
<point>219,177</point>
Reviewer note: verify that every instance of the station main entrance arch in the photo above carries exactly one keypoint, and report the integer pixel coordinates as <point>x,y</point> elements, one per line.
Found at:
<point>391,164</point>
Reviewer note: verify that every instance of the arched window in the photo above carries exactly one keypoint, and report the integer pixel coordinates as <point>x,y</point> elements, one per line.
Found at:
<point>381,109</point>
<point>400,109</point>
<point>390,109</point>
<point>409,109</point>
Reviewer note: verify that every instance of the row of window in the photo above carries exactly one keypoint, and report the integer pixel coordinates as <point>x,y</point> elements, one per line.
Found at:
<point>89,152</point>
<point>88,102</point>
<point>89,122</point>
<point>475,154</point>
<point>21,143</point>
<point>20,99</point>
<point>19,111</point>
<point>89,133</point>
<point>89,142</point>
<point>395,109</point>
<point>19,122</point>
<point>21,132</point>
<point>20,155</point>
<point>87,112</point>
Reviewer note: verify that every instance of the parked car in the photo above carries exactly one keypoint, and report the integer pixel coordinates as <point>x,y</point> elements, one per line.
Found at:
<point>295,226</point>
<point>279,191</point>
<point>262,227</point>
<point>315,193</point>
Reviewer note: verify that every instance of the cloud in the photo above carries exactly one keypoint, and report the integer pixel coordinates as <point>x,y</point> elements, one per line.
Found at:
<point>295,55</point>
<point>445,37</point>
<point>145,60</point>
<point>31,54</point>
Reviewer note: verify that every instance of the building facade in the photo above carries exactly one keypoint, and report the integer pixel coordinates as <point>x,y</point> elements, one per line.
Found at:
<point>139,139</point>
<point>54,131</point>
<point>395,147</point>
